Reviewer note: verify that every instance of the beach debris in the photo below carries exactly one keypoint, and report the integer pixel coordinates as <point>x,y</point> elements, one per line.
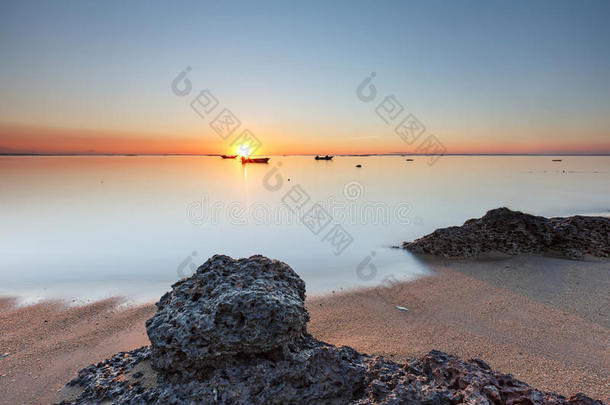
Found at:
<point>235,333</point>
<point>401,308</point>
<point>513,232</point>
<point>5,354</point>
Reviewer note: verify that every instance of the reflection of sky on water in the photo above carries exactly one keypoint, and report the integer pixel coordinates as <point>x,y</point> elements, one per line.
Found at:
<point>91,227</point>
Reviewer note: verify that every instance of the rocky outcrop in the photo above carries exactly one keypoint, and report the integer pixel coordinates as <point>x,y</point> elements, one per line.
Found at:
<point>235,333</point>
<point>228,309</point>
<point>513,232</point>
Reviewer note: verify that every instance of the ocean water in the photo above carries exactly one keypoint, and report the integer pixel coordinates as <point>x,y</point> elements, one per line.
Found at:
<point>81,228</point>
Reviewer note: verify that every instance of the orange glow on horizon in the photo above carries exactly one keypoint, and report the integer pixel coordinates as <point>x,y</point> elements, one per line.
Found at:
<point>18,138</point>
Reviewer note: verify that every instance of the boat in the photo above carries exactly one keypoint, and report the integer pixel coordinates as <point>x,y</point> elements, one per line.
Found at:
<point>327,157</point>
<point>254,160</point>
<point>409,160</point>
<point>228,156</point>
<point>556,160</point>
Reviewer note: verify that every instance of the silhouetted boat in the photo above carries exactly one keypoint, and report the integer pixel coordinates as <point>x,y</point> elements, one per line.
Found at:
<point>327,157</point>
<point>228,156</point>
<point>556,160</point>
<point>409,160</point>
<point>254,160</point>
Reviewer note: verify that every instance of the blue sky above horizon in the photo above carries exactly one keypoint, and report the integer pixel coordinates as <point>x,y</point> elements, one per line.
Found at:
<point>481,76</point>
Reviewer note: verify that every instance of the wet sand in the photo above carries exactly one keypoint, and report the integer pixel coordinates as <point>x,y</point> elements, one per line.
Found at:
<point>545,320</point>
<point>48,343</point>
<point>547,331</point>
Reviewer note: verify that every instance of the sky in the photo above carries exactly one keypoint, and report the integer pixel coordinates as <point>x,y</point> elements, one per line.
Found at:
<point>478,76</point>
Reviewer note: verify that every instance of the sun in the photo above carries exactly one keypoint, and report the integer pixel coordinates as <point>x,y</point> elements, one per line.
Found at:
<point>243,150</point>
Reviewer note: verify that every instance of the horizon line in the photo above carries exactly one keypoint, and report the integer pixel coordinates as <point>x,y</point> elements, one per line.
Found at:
<point>310,154</point>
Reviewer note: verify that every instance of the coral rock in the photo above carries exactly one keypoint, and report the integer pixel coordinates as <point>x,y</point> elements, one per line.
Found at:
<point>513,232</point>
<point>227,308</point>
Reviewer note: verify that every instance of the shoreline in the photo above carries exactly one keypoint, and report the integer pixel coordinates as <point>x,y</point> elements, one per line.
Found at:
<point>548,347</point>
<point>549,329</point>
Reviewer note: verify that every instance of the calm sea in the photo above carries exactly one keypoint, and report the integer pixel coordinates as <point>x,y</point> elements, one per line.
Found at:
<point>84,228</point>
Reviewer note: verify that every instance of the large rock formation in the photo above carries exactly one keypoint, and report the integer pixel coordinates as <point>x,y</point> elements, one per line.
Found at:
<point>513,232</point>
<point>235,333</point>
<point>228,308</point>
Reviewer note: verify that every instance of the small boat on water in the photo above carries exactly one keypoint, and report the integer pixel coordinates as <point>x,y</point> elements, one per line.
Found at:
<point>556,160</point>
<point>254,160</point>
<point>327,157</point>
<point>409,160</point>
<point>228,156</point>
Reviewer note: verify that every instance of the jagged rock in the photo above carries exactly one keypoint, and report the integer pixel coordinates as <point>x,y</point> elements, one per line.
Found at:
<point>234,333</point>
<point>513,232</point>
<point>227,308</point>
<point>322,374</point>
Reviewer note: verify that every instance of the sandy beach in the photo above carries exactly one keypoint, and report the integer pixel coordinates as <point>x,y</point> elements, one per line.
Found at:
<point>543,319</point>
<point>269,203</point>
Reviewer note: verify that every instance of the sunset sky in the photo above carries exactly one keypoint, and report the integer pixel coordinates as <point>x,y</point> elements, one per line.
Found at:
<point>482,77</point>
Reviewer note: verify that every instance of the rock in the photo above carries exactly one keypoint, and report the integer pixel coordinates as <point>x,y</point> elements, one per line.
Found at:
<point>235,333</point>
<point>512,232</point>
<point>5,354</point>
<point>320,374</point>
<point>228,308</point>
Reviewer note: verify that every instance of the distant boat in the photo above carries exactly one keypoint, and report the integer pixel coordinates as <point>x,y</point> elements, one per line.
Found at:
<point>556,160</point>
<point>254,160</point>
<point>228,156</point>
<point>327,157</point>
<point>409,160</point>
